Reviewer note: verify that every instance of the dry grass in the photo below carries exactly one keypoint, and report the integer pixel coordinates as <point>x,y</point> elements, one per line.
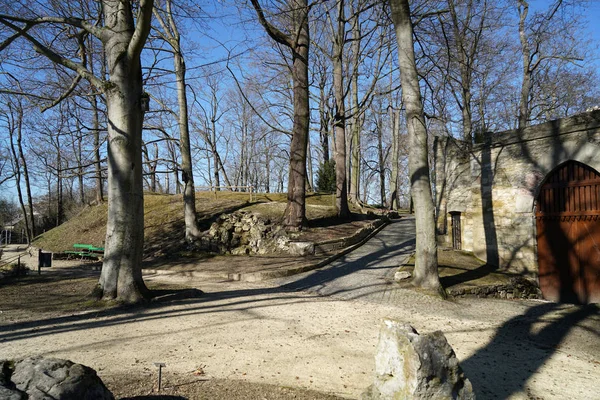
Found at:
<point>163,218</point>
<point>459,269</point>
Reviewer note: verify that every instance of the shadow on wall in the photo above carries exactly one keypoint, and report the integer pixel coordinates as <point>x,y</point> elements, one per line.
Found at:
<point>486,185</point>
<point>523,158</point>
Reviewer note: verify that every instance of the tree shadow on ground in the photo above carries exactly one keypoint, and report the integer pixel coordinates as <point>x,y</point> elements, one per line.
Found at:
<point>200,303</point>
<point>468,275</point>
<point>335,220</point>
<point>521,346</point>
<point>154,397</point>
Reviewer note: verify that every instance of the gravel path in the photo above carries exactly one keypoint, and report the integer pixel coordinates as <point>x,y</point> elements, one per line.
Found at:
<point>319,331</point>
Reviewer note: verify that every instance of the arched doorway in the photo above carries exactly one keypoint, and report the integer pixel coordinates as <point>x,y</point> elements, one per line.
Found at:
<point>568,234</point>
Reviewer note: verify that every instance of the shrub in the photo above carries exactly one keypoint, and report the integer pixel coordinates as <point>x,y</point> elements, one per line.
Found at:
<point>326,177</point>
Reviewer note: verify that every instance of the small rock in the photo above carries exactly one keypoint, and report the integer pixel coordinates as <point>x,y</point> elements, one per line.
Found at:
<point>301,248</point>
<point>402,275</point>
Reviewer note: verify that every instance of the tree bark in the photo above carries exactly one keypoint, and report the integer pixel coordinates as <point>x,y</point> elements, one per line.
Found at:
<point>341,183</point>
<point>295,212</point>
<point>31,231</point>
<point>426,266</point>
<point>324,118</point>
<point>356,125</point>
<point>16,126</point>
<point>189,192</point>
<point>121,276</point>
<point>395,128</point>
<point>171,35</point>
<point>465,66</point>
<point>523,120</point>
<point>97,159</point>
<point>381,164</point>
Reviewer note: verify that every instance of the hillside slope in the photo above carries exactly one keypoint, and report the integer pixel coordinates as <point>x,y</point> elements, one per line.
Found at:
<point>163,218</point>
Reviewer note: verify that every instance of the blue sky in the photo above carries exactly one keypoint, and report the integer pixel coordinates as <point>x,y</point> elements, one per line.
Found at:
<point>231,35</point>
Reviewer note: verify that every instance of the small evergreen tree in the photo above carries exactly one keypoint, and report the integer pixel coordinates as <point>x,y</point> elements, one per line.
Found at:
<point>326,177</point>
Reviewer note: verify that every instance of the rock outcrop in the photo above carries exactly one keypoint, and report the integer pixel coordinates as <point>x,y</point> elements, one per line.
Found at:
<point>8,389</point>
<point>244,233</point>
<point>413,366</point>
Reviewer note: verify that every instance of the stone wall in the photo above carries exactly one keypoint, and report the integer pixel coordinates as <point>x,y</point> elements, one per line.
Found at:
<point>494,184</point>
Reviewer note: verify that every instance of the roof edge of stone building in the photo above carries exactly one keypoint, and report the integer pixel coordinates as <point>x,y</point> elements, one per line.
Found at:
<point>580,122</point>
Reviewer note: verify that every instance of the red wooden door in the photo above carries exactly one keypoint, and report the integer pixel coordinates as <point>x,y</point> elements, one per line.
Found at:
<point>568,234</point>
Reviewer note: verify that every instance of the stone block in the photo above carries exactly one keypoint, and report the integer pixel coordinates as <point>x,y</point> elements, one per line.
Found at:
<point>53,378</point>
<point>402,275</point>
<point>413,366</point>
<point>301,248</point>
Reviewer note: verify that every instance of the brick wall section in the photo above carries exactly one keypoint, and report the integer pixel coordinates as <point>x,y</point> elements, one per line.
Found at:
<point>494,185</point>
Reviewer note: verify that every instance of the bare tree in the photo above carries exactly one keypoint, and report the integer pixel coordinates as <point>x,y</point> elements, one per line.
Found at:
<point>12,118</point>
<point>297,40</point>
<point>545,40</point>
<point>123,35</point>
<point>339,119</point>
<point>426,266</point>
<point>170,33</point>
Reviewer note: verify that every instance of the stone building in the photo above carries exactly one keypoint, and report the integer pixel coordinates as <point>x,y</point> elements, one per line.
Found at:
<point>527,201</point>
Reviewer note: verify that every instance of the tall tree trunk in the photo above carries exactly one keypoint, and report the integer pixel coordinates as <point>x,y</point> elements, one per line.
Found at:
<point>121,276</point>
<point>189,192</point>
<point>526,56</point>
<point>295,212</point>
<point>464,65</point>
<point>267,169</point>
<point>16,126</point>
<point>381,167</point>
<point>77,149</point>
<point>395,134</point>
<point>171,35</point>
<point>356,120</point>
<point>59,183</point>
<point>298,42</point>
<point>213,145</point>
<point>30,222</point>
<point>309,175</point>
<point>97,159</point>
<point>324,120</point>
<point>426,266</point>
<point>341,185</point>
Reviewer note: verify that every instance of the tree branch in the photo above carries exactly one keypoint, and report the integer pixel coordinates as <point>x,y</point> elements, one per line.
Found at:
<point>54,57</point>
<point>142,29</point>
<point>100,33</point>
<point>272,31</point>
<point>65,94</point>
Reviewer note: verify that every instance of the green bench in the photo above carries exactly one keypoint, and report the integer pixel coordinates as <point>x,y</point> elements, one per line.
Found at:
<point>86,250</point>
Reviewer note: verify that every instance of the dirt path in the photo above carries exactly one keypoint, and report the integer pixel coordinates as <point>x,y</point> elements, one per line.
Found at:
<point>262,334</point>
<point>275,333</point>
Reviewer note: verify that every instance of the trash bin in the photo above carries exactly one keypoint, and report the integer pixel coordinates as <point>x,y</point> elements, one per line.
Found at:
<point>44,259</point>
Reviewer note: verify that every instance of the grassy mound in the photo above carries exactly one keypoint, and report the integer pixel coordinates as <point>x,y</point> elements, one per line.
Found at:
<point>163,218</point>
